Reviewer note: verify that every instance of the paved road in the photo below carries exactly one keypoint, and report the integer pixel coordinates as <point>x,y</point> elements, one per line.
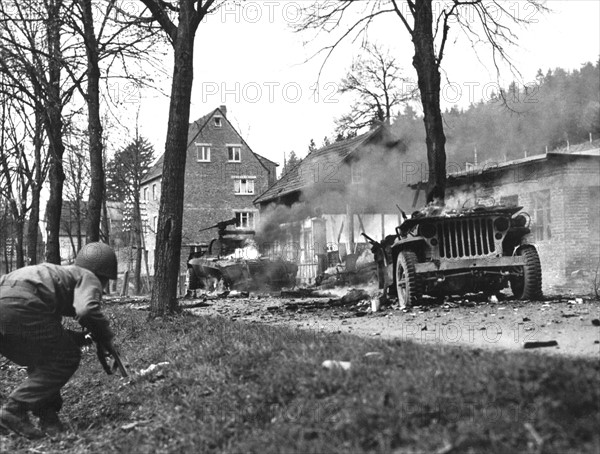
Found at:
<point>470,322</point>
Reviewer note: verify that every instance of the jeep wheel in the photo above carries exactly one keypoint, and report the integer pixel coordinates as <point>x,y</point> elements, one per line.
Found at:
<point>407,283</point>
<point>529,285</point>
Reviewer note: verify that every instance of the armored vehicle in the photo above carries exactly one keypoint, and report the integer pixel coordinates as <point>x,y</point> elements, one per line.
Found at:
<point>232,262</point>
<point>441,252</point>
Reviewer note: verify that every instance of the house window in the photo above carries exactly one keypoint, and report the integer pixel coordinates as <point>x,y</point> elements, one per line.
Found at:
<point>218,122</point>
<point>356,172</point>
<point>146,193</point>
<point>233,153</point>
<point>541,219</point>
<point>155,224</point>
<point>153,192</point>
<point>245,219</point>
<point>243,186</point>
<point>203,152</point>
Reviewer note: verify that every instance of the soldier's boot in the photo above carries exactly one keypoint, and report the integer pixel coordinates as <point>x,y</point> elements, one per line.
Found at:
<point>50,423</point>
<point>13,416</point>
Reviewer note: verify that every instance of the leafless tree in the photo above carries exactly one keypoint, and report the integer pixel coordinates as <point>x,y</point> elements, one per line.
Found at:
<point>376,80</point>
<point>77,184</point>
<point>49,50</point>
<point>6,240</point>
<point>22,172</point>
<point>188,14</point>
<point>429,25</point>
<point>32,53</point>
<point>114,39</point>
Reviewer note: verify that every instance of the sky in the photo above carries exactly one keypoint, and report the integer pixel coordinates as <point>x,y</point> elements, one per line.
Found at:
<point>248,58</point>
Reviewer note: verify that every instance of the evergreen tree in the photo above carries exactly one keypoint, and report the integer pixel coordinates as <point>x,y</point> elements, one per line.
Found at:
<point>124,177</point>
<point>292,161</point>
<point>126,169</point>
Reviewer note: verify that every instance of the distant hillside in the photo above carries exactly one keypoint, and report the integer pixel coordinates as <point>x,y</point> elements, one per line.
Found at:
<point>561,107</point>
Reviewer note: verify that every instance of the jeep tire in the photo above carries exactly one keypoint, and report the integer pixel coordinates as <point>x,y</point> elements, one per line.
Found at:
<point>407,283</point>
<point>529,285</point>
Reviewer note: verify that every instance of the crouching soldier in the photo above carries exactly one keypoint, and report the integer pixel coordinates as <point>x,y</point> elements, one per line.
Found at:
<point>32,302</point>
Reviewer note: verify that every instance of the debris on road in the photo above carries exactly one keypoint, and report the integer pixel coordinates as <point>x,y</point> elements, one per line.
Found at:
<point>354,296</point>
<point>306,293</point>
<point>540,344</point>
<point>568,315</point>
<point>332,364</point>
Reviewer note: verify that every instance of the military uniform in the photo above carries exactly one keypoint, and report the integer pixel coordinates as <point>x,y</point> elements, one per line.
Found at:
<point>33,301</point>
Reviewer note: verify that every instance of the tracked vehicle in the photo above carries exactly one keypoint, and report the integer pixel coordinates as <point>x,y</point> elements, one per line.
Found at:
<point>230,264</point>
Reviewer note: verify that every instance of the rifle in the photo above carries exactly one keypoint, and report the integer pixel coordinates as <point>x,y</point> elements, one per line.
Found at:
<point>104,353</point>
<point>377,249</point>
<point>376,245</point>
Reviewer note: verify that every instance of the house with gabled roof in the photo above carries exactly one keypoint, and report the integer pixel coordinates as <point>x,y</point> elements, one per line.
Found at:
<point>223,175</point>
<point>317,211</point>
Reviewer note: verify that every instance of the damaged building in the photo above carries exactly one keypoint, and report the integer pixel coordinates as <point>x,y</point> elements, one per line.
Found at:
<point>315,214</point>
<point>559,192</point>
<point>223,175</point>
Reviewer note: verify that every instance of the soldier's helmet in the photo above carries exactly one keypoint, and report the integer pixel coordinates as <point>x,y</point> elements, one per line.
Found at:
<point>99,258</point>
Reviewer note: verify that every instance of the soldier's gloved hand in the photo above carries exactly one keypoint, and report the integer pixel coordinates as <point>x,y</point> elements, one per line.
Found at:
<point>106,350</point>
<point>79,337</point>
<point>109,347</point>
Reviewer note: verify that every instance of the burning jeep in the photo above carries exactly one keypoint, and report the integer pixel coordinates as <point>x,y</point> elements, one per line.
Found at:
<point>232,261</point>
<point>438,252</point>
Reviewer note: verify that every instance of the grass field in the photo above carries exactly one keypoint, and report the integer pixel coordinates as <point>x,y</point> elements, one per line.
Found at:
<point>235,387</point>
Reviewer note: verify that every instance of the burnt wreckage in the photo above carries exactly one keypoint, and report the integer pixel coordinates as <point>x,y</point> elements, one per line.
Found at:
<point>438,252</point>
<point>232,262</point>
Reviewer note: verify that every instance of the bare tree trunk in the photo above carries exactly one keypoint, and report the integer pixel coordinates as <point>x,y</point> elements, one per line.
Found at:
<point>54,129</point>
<point>32,226</point>
<point>105,237</point>
<point>428,73</point>
<point>138,269</point>
<point>18,234</point>
<point>97,188</point>
<point>168,237</point>
<point>138,243</point>
<point>73,247</point>
<point>7,264</point>
<point>36,187</point>
<point>54,205</point>
<point>79,221</point>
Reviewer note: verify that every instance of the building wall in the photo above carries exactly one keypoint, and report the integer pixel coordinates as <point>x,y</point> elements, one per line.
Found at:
<point>209,195</point>
<point>561,197</point>
<point>149,204</point>
<point>67,256</point>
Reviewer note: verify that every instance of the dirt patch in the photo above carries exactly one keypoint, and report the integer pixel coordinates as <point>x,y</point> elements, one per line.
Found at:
<point>472,322</point>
